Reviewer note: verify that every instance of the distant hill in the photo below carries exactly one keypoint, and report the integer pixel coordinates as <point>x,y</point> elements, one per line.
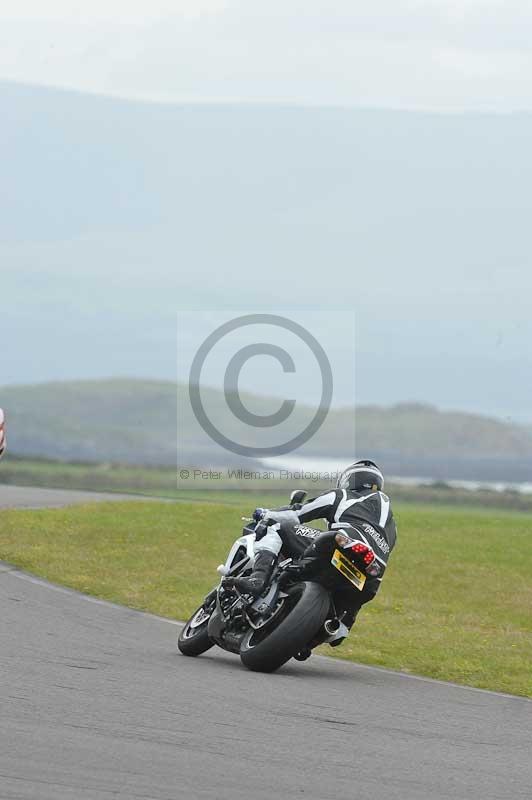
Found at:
<point>115,214</point>
<point>136,421</point>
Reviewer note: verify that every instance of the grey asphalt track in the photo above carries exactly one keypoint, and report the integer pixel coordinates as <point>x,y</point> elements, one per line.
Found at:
<point>96,703</point>
<point>34,497</point>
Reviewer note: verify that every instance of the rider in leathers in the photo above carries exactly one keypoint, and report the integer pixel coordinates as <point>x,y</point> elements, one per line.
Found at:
<point>359,501</point>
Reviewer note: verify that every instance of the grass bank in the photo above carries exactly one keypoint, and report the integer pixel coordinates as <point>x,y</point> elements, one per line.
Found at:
<point>166,482</point>
<point>456,603</point>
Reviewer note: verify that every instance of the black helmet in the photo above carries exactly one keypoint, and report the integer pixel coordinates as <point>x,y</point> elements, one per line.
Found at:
<point>361,475</point>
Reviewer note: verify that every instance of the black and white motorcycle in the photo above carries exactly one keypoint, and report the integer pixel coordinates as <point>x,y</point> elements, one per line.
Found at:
<point>294,613</point>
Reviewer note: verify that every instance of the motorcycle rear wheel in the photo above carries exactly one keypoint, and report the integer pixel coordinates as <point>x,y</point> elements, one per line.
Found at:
<point>266,651</point>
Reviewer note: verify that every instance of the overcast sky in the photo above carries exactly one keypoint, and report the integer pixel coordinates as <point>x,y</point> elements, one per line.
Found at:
<point>444,55</point>
<point>437,207</point>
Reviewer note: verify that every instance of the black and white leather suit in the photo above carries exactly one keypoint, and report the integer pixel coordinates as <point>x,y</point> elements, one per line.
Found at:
<point>368,512</point>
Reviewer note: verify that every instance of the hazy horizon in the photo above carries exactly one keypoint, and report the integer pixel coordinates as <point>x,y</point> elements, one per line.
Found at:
<point>117,216</point>
<point>272,395</point>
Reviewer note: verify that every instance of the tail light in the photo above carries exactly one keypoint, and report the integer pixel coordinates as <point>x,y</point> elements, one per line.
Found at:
<point>364,552</point>
<point>366,557</point>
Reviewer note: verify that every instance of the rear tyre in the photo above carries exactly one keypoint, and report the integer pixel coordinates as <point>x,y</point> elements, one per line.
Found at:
<point>264,651</point>
<point>194,639</point>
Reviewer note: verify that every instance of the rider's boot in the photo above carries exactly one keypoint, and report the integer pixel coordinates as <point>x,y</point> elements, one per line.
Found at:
<point>255,583</point>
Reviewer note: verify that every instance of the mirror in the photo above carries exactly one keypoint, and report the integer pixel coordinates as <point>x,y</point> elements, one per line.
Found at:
<point>297,497</point>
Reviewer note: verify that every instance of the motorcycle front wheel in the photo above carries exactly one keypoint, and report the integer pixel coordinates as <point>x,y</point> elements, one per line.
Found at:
<point>194,639</point>
<point>265,650</point>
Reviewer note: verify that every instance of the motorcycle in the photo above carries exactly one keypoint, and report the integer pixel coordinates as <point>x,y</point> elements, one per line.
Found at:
<point>295,612</point>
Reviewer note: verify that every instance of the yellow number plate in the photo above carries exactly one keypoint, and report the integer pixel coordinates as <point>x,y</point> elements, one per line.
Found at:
<point>348,570</point>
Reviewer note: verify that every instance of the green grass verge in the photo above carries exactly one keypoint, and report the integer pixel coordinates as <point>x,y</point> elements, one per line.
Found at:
<point>456,603</point>
<point>164,482</point>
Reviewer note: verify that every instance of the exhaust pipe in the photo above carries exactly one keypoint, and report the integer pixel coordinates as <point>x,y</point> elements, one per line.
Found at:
<point>336,631</point>
<point>331,626</point>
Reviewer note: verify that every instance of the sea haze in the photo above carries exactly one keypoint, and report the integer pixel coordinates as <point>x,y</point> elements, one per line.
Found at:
<point>115,216</point>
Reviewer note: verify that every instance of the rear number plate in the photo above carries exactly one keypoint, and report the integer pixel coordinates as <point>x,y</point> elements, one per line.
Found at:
<point>348,570</point>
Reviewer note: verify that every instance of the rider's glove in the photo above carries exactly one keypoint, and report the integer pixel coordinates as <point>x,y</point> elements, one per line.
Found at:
<point>275,518</point>
<point>285,517</point>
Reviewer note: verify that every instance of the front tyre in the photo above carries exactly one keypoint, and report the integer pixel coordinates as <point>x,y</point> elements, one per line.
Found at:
<point>265,652</point>
<point>194,639</point>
